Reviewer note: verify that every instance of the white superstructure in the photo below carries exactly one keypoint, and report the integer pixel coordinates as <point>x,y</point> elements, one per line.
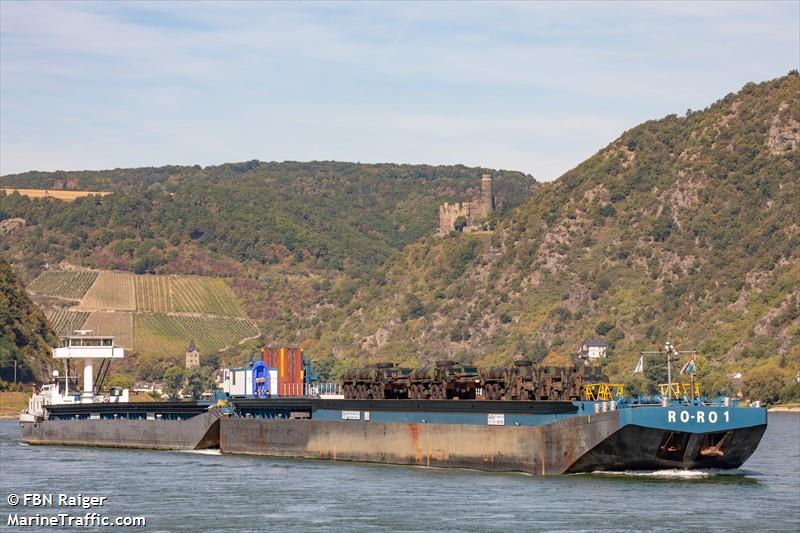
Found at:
<point>87,347</point>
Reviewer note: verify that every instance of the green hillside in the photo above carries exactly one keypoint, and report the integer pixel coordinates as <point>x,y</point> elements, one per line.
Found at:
<point>285,237</point>
<point>191,220</point>
<point>25,336</point>
<point>684,228</point>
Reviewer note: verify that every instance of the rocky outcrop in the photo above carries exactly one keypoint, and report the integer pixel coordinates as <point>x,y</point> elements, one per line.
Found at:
<point>784,132</point>
<point>11,224</point>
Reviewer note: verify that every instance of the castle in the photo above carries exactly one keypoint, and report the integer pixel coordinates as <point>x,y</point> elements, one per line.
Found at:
<point>472,213</point>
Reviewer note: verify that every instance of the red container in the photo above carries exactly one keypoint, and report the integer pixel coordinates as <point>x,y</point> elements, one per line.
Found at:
<point>289,364</point>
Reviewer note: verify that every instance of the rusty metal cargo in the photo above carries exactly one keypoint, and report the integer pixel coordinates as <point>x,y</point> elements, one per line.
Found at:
<point>448,380</point>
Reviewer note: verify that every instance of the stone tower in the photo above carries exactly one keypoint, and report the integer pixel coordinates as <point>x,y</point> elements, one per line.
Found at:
<point>192,355</point>
<point>487,196</point>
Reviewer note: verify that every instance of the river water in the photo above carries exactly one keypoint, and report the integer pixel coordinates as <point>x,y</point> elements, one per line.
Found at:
<point>204,491</point>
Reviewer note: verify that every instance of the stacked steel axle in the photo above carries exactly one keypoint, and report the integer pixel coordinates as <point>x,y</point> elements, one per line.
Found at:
<point>450,380</point>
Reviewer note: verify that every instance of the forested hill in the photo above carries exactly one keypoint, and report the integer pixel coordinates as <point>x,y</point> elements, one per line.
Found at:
<point>325,215</point>
<point>684,228</point>
<point>25,336</point>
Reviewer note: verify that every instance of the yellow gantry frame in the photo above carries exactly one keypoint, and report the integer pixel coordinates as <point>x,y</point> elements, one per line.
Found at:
<point>678,390</point>
<point>603,391</point>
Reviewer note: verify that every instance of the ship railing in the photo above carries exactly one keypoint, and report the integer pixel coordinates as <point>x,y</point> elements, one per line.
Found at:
<point>291,389</point>
<point>36,405</point>
<point>602,392</point>
<point>323,389</point>
<point>678,390</point>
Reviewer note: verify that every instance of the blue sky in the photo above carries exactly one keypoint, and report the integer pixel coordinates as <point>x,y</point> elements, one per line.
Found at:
<point>537,87</point>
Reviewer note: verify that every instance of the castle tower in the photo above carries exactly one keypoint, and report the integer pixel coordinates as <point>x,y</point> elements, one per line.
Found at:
<point>487,195</point>
<point>192,355</point>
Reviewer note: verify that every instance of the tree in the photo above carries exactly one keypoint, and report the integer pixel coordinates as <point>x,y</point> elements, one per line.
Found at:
<point>604,327</point>
<point>791,391</point>
<point>662,227</point>
<point>173,382</point>
<point>324,367</point>
<point>635,385</point>
<point>412,308</point>
<point>198,381</point>
<point>459,223</point>
<point>765,383</point>
<point>11,356</point>
<point>120,380</point>
<point>655,371</point>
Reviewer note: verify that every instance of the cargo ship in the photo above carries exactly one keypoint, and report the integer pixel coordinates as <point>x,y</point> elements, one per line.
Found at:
<point>542,420</point>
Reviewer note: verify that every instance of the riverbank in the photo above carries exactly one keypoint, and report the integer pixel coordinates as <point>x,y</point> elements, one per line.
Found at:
<point>11,403</point>
<point>793,407</point>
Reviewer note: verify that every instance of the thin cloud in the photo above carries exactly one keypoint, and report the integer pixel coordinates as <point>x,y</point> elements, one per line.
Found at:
<point>535,86</point>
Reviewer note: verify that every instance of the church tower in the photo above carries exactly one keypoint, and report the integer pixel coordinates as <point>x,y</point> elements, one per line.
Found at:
<point>192,355</point>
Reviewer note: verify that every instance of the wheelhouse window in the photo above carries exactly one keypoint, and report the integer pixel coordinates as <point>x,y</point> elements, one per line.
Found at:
<point>82,342</point>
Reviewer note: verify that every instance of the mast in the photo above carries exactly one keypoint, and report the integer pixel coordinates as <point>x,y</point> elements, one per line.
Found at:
<point>670,350</point>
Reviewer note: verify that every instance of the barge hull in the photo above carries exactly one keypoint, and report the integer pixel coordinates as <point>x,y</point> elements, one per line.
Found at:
<point>198,432</point>
<point>539,450</point>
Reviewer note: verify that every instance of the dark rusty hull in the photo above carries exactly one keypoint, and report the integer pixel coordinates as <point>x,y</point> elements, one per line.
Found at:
<point>641,448</point>
<point>198,432</point>
<point>540,450</point>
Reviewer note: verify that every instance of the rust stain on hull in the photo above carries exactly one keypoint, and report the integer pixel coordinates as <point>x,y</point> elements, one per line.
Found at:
<point>535,450</point>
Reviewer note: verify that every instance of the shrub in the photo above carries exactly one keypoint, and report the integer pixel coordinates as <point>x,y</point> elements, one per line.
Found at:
<point>604,327</point>
<point>764,383</point>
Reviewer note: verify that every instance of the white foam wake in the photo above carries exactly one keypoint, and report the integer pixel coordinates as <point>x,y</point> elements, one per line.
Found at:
<point>674,473</point>
<point>203,452</point>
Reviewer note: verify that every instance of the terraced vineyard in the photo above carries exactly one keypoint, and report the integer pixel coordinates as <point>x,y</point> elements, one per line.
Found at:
<point>160,334</point>
<point>214,296</point>
<point>120,324</point>
<point>63,284</point>
<point>152,314</point>
<point>153,294</point>
<point>111,290</point>
<point>66,322</point>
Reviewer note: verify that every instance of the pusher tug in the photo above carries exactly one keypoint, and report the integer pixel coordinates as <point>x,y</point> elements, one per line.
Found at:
<point>87,418</point>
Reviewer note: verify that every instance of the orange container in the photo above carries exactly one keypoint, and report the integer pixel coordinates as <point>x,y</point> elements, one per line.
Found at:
<point>289,364</point>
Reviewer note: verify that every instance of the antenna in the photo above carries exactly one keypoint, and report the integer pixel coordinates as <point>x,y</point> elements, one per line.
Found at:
<point>669,350</point>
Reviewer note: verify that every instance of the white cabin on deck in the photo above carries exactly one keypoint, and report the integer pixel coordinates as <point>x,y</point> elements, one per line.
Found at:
<point>88,347</point>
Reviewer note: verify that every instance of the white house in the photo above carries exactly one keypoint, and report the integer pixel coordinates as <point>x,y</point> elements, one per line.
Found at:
<point>593,349</point>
